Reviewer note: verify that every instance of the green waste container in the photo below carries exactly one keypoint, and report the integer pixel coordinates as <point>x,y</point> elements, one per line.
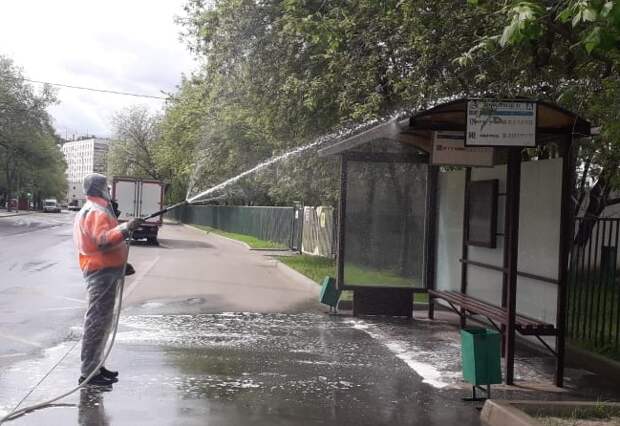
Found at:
<point>329,293</point>
<point>481,356</point>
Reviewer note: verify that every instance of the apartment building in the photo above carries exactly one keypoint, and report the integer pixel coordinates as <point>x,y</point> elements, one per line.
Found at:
<point>84,157</point>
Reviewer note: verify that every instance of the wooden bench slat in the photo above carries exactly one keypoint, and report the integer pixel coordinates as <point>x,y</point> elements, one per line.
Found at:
<point>523,324</point>
<point>477,303</point>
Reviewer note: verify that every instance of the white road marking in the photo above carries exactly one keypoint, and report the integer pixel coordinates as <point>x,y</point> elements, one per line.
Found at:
<point>139,277</point>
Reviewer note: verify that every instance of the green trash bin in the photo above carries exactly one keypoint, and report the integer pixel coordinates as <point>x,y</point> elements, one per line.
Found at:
<point>329,293</point>
<point>481,358</point>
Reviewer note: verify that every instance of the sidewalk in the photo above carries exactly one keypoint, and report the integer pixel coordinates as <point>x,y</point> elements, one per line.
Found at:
<point>4,213</point>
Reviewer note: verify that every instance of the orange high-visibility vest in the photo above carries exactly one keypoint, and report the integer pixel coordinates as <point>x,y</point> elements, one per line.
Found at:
<point>98,237</point>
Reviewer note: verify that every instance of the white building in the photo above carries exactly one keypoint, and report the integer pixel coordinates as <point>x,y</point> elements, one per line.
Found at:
<point>84,157</point>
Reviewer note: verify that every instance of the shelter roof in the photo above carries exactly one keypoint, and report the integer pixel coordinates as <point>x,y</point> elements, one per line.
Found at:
<point>553,121</point>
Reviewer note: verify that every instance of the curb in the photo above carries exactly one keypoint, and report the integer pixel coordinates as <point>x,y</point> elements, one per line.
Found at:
<point>502,413</point>
<point>298,277</point>
<point>15,214</point>
<point>246,245</point>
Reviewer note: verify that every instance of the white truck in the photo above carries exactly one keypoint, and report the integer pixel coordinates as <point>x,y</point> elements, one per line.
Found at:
<point>138,198</point>
<point>51,205</point>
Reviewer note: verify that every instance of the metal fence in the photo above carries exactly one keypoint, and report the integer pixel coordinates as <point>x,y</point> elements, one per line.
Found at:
<point>277,224</point>
<point>593,306</point>
<point>319,226</point>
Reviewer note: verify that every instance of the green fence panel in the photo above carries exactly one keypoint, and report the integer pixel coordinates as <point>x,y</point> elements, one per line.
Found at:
<point>266,223</point>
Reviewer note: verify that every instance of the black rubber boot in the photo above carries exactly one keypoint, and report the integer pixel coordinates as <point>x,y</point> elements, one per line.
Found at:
<point>108,374</point>
<point>98,380</point>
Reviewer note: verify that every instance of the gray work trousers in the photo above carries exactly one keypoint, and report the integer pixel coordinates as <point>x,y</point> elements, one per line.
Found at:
<point>102,287</point>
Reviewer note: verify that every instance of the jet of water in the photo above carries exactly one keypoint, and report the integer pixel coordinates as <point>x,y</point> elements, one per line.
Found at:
<point>296,151</point>
<point>253,170</point>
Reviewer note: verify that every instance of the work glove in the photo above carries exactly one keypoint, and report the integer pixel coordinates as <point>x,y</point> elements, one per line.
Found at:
<point>129,269</point>
<point>133,224</point>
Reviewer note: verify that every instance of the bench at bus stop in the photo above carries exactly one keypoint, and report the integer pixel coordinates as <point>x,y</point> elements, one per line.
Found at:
<point>469,307</point>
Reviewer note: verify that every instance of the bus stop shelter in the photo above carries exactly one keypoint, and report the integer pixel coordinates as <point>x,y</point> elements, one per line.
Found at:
<point>470,202</point>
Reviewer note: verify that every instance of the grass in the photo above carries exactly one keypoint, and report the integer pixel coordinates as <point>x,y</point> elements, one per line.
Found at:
<point>607,351</point>
<point>355,275</point>
<point>248,239</point>
<point>316,268</point>
<point>592,322</point>
<point>605,414</point>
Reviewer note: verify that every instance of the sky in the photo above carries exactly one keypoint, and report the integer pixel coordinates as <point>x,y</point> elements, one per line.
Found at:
<point>121,45</point>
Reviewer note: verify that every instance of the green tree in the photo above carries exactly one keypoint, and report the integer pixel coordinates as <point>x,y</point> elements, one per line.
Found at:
<point>280,73</point>
<point>28,144</point>
<point>137,136</point>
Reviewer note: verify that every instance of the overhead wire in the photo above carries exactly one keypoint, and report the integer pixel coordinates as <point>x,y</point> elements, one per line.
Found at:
<point>90,89</point>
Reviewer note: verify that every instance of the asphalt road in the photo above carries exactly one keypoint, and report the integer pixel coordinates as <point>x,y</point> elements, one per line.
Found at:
<point>41,291</point>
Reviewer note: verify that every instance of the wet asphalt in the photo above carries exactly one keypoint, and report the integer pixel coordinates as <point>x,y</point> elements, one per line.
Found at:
<point>214,334</point>
<point>41,289</point>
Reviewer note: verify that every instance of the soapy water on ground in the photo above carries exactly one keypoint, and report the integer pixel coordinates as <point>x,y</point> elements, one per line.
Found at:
<point>222,356</point>
<point>436,367</point>
<point>308,340</point>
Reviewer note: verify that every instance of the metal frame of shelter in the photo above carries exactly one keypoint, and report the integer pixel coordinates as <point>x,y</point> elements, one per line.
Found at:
<point>554,125</point>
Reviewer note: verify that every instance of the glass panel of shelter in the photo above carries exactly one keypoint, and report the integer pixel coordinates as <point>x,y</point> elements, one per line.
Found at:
<point>385,223</point>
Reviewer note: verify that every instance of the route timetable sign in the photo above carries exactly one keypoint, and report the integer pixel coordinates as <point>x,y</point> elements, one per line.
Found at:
<point>500,123</point>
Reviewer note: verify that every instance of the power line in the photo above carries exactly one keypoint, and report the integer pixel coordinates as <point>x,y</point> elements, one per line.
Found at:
<point>92,89</point>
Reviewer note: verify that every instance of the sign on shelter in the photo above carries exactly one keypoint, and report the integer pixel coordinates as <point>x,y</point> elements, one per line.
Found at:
<point>449,149</point>
<point>501,123</point>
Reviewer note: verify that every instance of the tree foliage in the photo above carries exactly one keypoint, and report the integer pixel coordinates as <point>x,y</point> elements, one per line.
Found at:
<point>277,74</point>
<point>134,149</point>
<point>30,158</point>
<point>574,46</point>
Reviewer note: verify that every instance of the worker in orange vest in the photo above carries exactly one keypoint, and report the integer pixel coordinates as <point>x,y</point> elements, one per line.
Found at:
<point>102,253</point>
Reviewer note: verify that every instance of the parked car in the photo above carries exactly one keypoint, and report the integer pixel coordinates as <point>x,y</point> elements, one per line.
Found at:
<point>51,206</point>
